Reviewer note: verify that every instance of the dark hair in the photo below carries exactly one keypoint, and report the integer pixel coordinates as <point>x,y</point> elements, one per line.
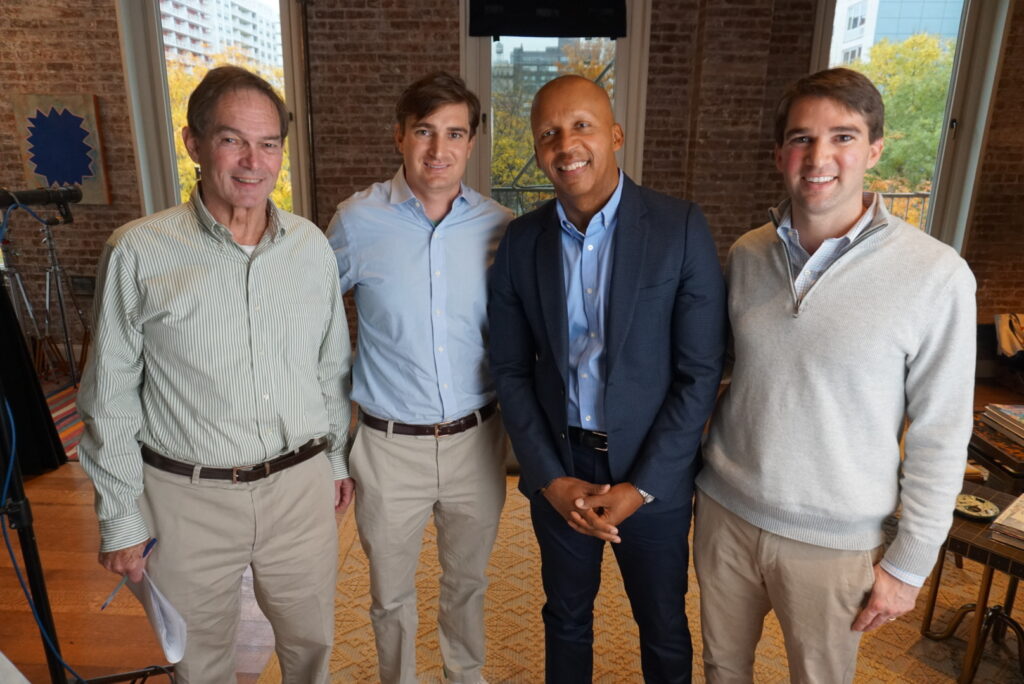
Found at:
<point>221,81</point>
<point>849,88</point>
<point>434,90</point>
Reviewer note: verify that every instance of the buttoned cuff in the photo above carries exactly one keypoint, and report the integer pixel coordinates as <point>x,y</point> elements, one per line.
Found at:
<point>339,464</point>
<point>123,532</point>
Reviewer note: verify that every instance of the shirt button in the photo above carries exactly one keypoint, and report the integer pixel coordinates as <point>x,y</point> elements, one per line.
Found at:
<point>590,248</point>
<point>587,419</point>
<point>445,385</point>
<point>584,376</point>
<point>437,273</point>
<point>440,349</point>
<point>438,312</point>
<point>266,397</point>
<point>590,290</point>
<point>593,334</point>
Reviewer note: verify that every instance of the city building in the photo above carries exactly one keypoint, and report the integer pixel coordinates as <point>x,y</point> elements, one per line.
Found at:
<point>203,28</point>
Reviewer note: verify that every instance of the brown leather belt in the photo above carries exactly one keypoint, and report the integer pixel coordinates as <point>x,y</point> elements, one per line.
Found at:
<point>591,439</point>
<point>452,427</point>
<point>241,474</point>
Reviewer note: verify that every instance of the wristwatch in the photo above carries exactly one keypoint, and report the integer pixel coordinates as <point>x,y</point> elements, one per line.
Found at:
<point>648,498</point>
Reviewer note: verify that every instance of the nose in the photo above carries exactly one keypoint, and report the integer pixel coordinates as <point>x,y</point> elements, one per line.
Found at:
<point>818,153</point>
<point>247,158</point>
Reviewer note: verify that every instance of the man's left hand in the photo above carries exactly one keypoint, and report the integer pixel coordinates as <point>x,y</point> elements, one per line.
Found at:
<point>610,508</point>
<point>344,492</point>
<point>890,598</point>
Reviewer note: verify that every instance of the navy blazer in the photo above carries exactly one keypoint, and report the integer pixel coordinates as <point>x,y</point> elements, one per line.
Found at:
<point>664,351</point>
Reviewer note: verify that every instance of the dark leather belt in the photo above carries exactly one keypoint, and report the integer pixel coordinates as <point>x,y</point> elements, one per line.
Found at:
<point>452,427</point>
<point>591,439</point>
<point>242,474</point>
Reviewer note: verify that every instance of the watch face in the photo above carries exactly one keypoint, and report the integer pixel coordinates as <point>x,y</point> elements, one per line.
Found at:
<point>976,508</point>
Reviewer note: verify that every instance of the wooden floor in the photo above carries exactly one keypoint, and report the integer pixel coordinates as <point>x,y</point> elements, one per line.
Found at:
<point>119,639</point>
<point>93,643</point>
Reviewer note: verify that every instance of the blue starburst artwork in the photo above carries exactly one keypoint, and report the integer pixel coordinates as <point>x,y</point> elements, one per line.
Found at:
<point>60,144</point>
<point>56,147</point>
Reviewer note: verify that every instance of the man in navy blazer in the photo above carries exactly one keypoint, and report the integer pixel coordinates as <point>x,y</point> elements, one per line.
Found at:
<point>607,323</point>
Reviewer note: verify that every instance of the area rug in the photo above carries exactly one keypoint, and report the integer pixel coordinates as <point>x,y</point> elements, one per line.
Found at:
<point>896,653</point>
<point>64,409</point>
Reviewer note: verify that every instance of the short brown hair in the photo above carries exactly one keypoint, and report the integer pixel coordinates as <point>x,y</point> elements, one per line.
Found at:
<point>849,88</point>
<point>221,81</point>
<point>434,90</point>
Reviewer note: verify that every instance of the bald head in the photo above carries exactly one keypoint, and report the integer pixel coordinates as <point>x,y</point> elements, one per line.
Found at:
<point>575,138</point>
<point>571,88</point>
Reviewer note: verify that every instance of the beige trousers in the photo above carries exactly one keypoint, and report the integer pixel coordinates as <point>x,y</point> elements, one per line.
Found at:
<point>210,531</point>
<point>400,481</point>
<point>816,593</point>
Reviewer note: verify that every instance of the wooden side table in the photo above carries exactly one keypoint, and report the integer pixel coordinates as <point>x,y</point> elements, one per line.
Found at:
<point>970,539</point>
<point>1000,455</point>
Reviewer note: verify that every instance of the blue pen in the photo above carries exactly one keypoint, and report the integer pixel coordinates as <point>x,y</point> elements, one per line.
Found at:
<point>124,580</point>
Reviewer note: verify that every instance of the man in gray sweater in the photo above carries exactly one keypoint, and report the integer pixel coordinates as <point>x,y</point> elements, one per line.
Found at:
<point>847,322</point>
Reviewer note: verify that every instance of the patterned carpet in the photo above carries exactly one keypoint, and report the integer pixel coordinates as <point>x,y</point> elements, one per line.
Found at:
<point>64,409</point>
<point>896,653</point>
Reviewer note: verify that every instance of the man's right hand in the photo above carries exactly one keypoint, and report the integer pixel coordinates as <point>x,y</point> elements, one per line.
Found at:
<point>563,492</point>
<point>125,561</point>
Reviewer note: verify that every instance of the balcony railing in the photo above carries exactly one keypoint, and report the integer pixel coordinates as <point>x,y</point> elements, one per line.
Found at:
<point>912,207</point>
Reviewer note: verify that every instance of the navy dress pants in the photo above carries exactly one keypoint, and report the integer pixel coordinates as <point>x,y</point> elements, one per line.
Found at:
<point>652,556</point>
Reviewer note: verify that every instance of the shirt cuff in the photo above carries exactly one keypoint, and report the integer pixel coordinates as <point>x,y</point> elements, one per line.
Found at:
<point>123,532</point>
<point>339,464</point>
<point>902,575</point>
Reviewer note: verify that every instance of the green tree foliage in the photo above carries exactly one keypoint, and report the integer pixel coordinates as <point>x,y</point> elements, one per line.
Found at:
<point>913,77</point>
<point>183,75</point>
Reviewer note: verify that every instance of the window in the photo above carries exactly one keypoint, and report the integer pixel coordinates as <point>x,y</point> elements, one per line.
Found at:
<point>168,46</point>
<point>935,64</point>
<point>506,73</point>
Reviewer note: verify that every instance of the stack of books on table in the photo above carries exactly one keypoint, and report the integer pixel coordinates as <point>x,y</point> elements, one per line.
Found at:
<point>1007,419</point>
<point>1008,528</point>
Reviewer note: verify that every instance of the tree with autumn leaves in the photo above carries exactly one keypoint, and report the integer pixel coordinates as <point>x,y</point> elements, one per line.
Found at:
<point>183,75</point>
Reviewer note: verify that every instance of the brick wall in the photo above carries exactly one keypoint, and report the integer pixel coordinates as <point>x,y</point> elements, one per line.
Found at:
<point>716,71</point>
<point>995,246</point>
<point>64,47</point>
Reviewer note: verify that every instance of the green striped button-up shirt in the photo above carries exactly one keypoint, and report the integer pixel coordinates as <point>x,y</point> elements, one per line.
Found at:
<point>210,356</point>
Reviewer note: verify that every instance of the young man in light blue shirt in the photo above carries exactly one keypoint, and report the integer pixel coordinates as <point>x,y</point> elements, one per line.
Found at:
<point>415,250</point>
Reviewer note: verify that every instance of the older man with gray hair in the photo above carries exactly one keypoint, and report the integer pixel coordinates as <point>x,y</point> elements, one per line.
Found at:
<point>215,400</point>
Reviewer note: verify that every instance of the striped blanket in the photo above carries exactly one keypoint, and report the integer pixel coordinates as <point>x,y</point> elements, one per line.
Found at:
<point>65,417</point>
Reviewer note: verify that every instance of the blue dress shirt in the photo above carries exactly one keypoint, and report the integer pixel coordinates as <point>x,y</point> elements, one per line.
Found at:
<point>587,269</point>
<point>420,293</point>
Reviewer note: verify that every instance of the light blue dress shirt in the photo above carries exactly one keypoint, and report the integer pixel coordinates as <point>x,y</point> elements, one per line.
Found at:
<point>587,269</point>
<point>421,301</point>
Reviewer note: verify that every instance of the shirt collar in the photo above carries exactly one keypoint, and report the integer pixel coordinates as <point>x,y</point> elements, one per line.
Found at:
<point>402,193</point>
<point>275,226</point>
<point>605,218</point>
<point>790,234</point>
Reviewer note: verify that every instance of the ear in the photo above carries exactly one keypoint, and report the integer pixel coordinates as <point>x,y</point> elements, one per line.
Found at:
<point>191,141</point>
<point>618,137</point>
<point>399,137</point>
<point>875,152</point>
<point>469,146</point>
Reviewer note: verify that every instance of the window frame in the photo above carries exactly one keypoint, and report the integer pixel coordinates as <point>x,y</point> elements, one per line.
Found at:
<point>142,54</point>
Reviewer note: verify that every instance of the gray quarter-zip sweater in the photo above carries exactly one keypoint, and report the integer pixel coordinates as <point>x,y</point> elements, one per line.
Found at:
<point>806,442</point>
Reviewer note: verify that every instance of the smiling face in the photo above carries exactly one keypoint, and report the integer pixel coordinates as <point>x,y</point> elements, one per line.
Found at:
<point>435,150</point>
<point>575,138</point>
<point>241,154</point>
<point>824,155</point>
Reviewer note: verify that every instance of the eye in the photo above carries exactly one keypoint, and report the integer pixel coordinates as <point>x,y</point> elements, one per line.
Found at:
<point>548,133</point>
<point>421,132</point>
<point>455,135</point>
<point>800,140</point>
<point>228,140</point>
<point>582,124</point>
<point>844,138</point>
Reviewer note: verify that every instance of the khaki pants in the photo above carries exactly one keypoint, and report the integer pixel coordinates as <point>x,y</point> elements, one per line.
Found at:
<point>816,594</point>
<point>210,531</point>
<point>400,481</point>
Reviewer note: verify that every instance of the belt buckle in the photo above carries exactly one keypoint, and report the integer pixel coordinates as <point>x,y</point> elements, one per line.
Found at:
<point>440,426</point>
<point>604,435</point>
<point>250,469</point>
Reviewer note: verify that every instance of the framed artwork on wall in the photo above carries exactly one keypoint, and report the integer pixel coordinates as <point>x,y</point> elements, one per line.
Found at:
<point>59,141</point>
